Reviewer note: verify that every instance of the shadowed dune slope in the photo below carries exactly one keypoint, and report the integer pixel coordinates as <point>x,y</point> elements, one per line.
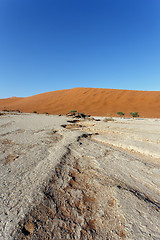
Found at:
<point>94,101</point>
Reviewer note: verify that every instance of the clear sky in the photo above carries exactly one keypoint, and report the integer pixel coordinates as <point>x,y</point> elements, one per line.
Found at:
<point>48,45</point>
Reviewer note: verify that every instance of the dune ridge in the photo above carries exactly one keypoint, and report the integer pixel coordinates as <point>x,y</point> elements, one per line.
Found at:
<point>94,101</point>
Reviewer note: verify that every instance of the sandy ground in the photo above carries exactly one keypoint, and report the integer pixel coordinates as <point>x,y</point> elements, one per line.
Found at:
<point>93,101</point>
<point>108,174</point>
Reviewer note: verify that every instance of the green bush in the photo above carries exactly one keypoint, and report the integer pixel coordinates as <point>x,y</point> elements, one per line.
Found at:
<point>34,111</point>
<point>73,111</point>
<point>121,114</point>
<point>134,114</point>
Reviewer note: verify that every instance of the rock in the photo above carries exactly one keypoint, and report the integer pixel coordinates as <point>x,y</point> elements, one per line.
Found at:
<point>28,228</point>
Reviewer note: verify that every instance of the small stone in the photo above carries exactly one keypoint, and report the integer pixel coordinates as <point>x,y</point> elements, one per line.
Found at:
<point>28,228</point>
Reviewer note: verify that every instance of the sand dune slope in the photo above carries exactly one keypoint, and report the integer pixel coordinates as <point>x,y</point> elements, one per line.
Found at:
<point>94,101</point>
<point>8,101</point>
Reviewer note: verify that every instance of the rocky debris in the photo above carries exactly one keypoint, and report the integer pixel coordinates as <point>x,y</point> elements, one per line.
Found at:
<point>76,114</point>
<point>73,121</point>
<point>78,204</point>
<point>6,110</point>
<point>11,111</point>
<point>72,113</point>
<point>91,118</point>
<point>54,137</point>
<point>108,119</point>
<point>1,113</point>
<point>10,158</point>
<point>80,115</point>
<point>28,228</point>
<point>71,126</point>
<point>18,111</point>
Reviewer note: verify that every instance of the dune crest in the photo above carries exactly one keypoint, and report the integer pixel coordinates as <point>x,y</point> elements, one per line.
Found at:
<point>94,101</point>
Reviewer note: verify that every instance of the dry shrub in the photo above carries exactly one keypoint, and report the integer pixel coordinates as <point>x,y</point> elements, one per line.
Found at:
<point>108,119</point>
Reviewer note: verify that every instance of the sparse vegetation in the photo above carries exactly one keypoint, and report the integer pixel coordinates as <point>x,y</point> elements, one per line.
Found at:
<point>121,114</point>
<point>18,111</point>
<point>34,111</point>
<point>76,114</point>
<point>73,111</point>
<point>6,110</point>
<point>134,114</point>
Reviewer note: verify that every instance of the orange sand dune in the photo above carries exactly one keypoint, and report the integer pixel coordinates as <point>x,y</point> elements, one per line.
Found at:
<point>94,101</point>
<point>6,101</point>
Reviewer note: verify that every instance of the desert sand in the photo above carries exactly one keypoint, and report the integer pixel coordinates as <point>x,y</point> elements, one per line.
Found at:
<point>94,101</point>
<point>92,179</point>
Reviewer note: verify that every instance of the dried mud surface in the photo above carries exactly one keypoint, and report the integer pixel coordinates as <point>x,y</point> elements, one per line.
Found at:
<point>70,183</point>
<point>76,208</point>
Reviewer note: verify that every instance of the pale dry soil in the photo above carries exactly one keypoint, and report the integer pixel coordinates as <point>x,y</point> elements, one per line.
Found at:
<point>83,180</point>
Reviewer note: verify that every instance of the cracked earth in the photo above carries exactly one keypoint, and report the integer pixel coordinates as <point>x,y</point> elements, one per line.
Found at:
<point>82,180</point>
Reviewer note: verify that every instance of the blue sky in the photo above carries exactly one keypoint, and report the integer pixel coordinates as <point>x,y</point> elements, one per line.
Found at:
<point>48,45</point>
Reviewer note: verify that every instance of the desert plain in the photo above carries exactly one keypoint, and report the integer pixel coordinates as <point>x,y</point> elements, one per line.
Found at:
<point>94,178</point>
